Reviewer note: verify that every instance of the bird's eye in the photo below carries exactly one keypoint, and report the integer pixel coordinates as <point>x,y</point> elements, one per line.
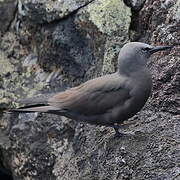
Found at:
<point>146,49</point>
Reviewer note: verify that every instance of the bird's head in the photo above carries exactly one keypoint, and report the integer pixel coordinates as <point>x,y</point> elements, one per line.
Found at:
<point>134,55</point>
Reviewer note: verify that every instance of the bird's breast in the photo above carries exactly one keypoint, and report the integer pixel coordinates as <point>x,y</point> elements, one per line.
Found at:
<point>141,91</point>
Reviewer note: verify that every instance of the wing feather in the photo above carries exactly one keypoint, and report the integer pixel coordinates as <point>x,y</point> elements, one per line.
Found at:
<point>94,97</point>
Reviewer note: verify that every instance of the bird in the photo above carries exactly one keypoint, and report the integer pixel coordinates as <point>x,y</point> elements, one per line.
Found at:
<point>107,100</point>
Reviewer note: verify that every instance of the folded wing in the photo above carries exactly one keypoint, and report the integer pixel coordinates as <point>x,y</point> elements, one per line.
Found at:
<point>94,97</point>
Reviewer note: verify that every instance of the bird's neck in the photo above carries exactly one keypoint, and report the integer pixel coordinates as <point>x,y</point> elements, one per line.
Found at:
<point>131,70</point>
<point>135,72</point>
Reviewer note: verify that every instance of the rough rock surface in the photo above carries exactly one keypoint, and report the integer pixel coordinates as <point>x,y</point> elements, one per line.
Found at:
<point>46,46</point>
<point>46,11</point>
<point>7,14</point>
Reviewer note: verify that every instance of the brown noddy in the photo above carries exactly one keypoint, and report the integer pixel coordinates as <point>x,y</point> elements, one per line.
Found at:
<point>107,100</point>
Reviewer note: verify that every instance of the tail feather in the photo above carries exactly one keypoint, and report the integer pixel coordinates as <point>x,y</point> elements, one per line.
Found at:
<point>36,108</point>
<point>37,104</point>
<point>39,99</point>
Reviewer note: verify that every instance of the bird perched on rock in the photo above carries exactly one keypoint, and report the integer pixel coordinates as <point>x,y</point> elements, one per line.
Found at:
<point>107,100</point>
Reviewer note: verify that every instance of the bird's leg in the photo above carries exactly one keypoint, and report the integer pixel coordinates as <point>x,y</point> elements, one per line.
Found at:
<point>116,128</point>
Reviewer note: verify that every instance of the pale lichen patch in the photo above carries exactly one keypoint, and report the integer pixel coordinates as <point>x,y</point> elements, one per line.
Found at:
<point>110,15</point>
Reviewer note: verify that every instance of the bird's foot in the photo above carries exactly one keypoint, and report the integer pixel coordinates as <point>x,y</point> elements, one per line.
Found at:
<point>118,134</point>
<point>116,128</point>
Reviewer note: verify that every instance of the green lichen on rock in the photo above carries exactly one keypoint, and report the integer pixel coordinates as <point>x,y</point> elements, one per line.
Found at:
<point>110,15</point>
<point>5,65</point>
<point>18,86</point>
<point>176,10</point>
<point>16,80</point>
<point>15,84</point>
<point>60,8</point>
<point>110,59</point>
<point>106,24</point>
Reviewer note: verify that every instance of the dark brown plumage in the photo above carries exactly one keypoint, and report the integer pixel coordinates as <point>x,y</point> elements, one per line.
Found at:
<point>107,100</point>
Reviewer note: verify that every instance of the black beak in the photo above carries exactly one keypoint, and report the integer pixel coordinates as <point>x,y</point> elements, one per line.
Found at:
<point>159,48</point>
